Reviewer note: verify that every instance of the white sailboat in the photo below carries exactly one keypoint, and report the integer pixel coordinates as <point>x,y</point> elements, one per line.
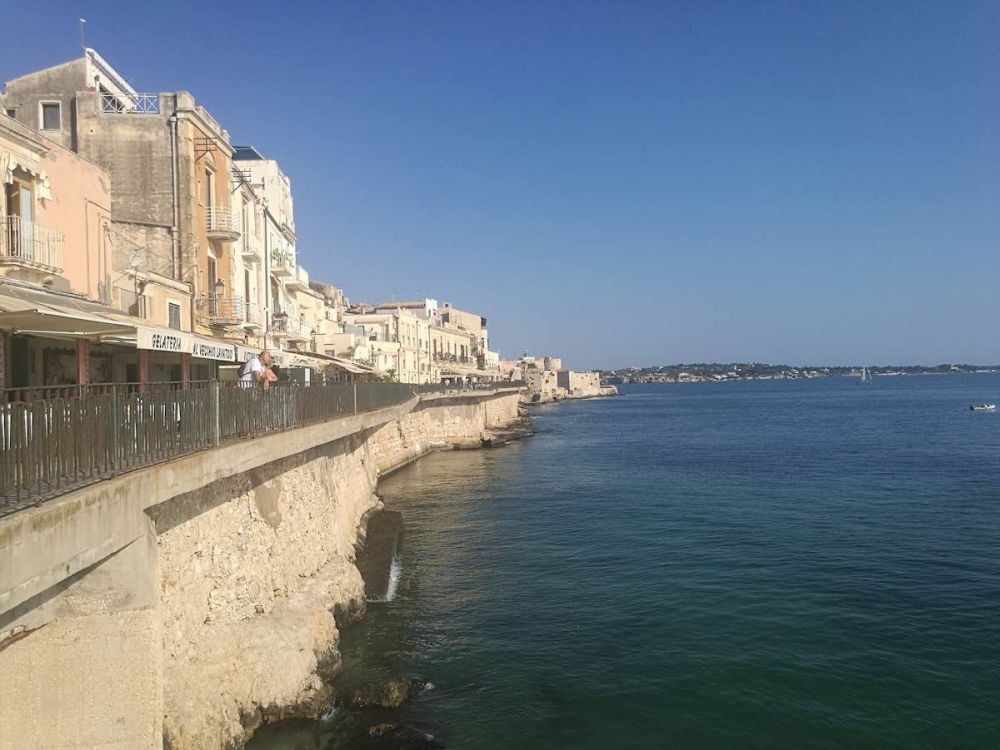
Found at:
<point>866,375</point>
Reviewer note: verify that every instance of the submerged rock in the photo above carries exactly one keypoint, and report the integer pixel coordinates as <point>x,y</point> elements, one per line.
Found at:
<point>391,693</point>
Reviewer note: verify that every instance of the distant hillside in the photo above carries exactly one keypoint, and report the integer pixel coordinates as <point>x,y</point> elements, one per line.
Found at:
<point>700,372</point>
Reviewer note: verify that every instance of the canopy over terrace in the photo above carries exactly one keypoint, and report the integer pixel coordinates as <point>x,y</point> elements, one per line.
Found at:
<point>332,368</point>
<point>453,372</point>
<point>53,338</point>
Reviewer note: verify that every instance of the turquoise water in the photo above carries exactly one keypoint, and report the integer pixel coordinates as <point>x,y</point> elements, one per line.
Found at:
<point>771,564</point>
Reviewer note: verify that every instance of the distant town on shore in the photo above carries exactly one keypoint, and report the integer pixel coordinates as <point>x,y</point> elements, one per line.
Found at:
<point>716,372</point>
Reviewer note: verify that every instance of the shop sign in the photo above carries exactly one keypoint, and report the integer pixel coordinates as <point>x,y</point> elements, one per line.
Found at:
<point>161,341</point>
<point>213,350</point>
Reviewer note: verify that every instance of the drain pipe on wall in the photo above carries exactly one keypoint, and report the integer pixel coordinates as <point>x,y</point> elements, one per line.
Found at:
<point>175,228</point>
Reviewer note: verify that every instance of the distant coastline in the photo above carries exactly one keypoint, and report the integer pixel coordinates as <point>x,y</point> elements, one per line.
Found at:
<point>720,373</point>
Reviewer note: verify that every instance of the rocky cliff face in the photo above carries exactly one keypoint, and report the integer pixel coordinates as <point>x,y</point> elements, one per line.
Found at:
<point>254,566</point>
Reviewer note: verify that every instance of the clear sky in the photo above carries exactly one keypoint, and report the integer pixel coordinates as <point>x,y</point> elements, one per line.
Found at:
<point>622,183</point>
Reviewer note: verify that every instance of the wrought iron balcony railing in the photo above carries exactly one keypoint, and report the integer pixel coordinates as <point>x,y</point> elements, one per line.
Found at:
<point>139,104</point>
<point>291,327</point>
<point>253,315</point>
<point>221,311</point>
<point>23,241</point>
<point>282,264</point>
<point>221,222</point>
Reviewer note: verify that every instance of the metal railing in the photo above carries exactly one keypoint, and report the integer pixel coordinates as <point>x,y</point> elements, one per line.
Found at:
<point>283,263</point>
<point>222,220</point>
<point>57,439</point>
<point>290,326</point>
<point>457,358</point>
<point>132,303</point>
<point>138,104</point>
<point>30,243</point>
<point>220,311</point>
<point>254,315</point>
<point>54,440</point>
<point>298,278</point>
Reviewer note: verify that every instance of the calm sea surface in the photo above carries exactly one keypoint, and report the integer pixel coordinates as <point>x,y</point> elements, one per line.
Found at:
<point>771,564</point>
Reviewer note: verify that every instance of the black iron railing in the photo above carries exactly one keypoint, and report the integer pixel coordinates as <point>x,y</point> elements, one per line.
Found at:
<point>55,439</point>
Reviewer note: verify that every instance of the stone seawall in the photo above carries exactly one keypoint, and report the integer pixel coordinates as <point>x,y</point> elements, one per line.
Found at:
<point>246,570</point>
<point>253,568</point>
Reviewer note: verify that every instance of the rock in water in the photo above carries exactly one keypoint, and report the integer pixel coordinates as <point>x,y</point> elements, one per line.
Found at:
<point>382,541</point>
<point>391,693</point>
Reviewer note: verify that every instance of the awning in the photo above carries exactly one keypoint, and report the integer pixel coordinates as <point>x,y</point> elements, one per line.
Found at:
<point>450,370</point>
<point>42,314</point>
<point>353,367</point>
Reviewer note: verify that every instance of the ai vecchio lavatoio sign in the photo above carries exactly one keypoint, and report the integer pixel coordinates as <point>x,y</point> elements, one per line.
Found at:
<point>207,349</point>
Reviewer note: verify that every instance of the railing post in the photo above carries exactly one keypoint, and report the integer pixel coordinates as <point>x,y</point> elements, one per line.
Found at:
<point>116,459</point>
<point>213,412</point>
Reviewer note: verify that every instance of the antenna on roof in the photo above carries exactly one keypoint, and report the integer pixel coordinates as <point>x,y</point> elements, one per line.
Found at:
<point>83,45</point>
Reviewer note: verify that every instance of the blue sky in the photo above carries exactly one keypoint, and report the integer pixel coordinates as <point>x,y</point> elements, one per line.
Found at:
<point>622,183</point>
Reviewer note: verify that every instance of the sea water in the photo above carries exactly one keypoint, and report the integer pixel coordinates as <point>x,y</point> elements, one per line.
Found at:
<point>763,564</point>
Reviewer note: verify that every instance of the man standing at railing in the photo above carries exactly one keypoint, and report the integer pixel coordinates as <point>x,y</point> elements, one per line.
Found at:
<point>255,371</point>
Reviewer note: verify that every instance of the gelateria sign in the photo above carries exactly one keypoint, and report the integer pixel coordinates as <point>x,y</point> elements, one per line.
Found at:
<point>163,341</point>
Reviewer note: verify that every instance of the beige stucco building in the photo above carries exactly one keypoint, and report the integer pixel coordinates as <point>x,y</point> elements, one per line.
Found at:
<point>55,214</point>
<point>170,162</point>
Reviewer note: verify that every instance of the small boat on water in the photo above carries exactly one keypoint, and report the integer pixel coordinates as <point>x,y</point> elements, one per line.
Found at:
<point>983,407</point>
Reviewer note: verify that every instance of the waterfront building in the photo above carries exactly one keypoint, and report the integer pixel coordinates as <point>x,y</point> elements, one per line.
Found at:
<point>452,352</point>
<point>239,309</point>
<point>577,383</point>
<point>541,383</point>
<point>173,227</point>
<point>55,214</point>
<point>423,308</point>
<point>284,277</point>
<point>331,325</point>
<point>395,342</point>
<point>57,248</point>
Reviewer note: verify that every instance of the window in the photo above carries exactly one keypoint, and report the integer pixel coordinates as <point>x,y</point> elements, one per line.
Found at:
<point>11,113</point>
<point>174,315</point>
<point>210,188</point>
<point>51,115</point>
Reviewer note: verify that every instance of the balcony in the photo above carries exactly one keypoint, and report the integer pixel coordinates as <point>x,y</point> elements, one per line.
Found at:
<point>221,312</point>
<point>248,251</point>
<point>24,243</point>
<point>222,224</point>
<point>282,265</point>
<point>253,317</point>
<point>136,104</point>
<point>299,280</point>
<point>131,303</point>
<point>457,359</point>
<point>291,328</point>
